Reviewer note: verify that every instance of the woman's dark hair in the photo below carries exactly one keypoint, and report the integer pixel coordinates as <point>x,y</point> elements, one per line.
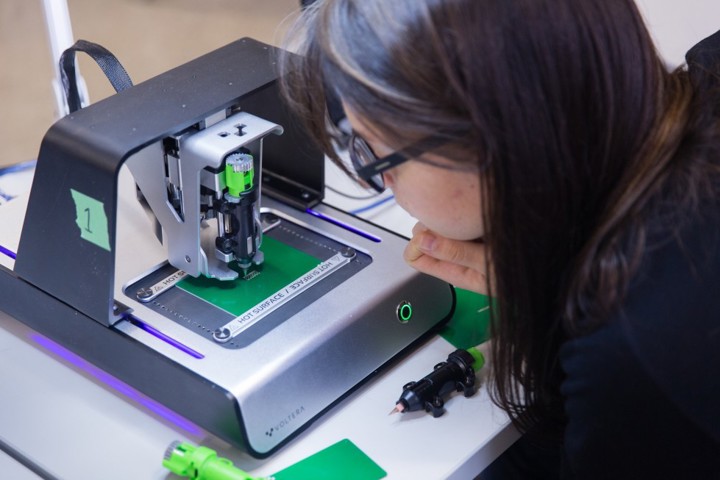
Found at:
<point>576,125</point>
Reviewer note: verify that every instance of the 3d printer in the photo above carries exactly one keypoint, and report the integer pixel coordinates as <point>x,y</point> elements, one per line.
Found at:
<point>261,307</point>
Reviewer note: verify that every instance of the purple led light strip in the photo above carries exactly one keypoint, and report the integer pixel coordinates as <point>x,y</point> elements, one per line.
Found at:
<point>8,252</point>
<point>139,323</point>
<point>116,384</point>
<point>165,338</point>
<point>344,225</point>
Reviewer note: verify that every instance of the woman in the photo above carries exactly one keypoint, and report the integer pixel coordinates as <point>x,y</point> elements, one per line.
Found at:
<point>556,165</point>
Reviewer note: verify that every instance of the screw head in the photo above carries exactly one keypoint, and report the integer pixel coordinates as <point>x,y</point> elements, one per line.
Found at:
<point>270,217</point>
<point>144,293</point>
<point>221,335</point>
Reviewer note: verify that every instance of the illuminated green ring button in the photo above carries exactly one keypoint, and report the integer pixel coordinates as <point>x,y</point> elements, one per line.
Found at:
<point>404,311</point>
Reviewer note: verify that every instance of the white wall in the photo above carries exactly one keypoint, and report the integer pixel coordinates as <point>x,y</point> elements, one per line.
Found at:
<point>677,25</point>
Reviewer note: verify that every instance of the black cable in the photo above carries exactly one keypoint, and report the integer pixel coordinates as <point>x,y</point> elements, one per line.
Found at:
<point>26,462</point>
<point>352,197</point>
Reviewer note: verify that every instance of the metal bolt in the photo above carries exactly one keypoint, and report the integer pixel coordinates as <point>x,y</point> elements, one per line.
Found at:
<point>221,335</point>
<point>347,252</point>
<point>144,293</point>
<point>270,217</point>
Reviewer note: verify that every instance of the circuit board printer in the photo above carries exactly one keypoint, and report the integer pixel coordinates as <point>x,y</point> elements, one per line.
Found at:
<point>175,236</point>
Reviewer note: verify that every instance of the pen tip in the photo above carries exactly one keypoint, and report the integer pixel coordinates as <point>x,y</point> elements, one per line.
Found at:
<point>398,408</point>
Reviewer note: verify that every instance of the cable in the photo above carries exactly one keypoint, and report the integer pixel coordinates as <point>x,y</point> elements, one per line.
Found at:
<point>382,201</point>
<point>9,170</point>
<point>352,197</point>
<point>18,167</point>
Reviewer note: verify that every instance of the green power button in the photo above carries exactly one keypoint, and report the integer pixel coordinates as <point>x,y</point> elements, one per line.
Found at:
<point>404,311</point>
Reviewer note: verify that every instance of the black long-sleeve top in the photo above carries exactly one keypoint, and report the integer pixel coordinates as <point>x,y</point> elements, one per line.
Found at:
<point>642,393</point>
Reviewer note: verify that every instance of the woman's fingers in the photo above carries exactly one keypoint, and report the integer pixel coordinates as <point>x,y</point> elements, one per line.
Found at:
<point>461,263</point>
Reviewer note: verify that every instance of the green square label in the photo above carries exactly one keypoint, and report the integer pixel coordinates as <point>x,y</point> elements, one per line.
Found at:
<point>91,219</point>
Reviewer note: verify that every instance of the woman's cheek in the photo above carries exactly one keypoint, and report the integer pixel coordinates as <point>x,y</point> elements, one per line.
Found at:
<point>403,200</point>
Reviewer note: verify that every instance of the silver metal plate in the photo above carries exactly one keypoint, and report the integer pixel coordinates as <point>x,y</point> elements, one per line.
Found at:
<point>282,296</point>
<point>150,293</point>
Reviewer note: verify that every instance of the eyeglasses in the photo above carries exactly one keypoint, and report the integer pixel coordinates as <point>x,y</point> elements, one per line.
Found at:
<point>368,166</point>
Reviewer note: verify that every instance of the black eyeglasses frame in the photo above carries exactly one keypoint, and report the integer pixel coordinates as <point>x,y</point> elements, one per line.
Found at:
<point>369,172</point>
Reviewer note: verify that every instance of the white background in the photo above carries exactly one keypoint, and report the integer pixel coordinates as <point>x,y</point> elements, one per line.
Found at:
<point>677,25</point>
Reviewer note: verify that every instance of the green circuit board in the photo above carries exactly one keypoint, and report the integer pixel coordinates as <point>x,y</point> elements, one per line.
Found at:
<point>292,254</point>
<point>283,264</point>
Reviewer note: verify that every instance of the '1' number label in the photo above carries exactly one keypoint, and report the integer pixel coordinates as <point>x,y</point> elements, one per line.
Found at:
<point>87,228</point>
<point>90,218</point>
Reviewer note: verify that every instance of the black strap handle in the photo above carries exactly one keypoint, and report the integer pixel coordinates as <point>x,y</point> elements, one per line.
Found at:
<point>108,63</point>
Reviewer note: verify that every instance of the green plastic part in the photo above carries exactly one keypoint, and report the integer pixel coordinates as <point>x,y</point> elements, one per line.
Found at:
<point>239,173</point>
<point>201,463</point>
<point>470,323</point>
<point>479,358</point>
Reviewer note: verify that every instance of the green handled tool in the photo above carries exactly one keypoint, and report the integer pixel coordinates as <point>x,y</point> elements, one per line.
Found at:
<point>201,463</point>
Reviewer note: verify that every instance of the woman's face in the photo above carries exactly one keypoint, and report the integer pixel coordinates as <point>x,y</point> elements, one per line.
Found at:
<point>446,201</point>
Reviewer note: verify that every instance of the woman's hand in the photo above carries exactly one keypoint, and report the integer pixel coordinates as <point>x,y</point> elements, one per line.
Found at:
<point>461,263</point>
